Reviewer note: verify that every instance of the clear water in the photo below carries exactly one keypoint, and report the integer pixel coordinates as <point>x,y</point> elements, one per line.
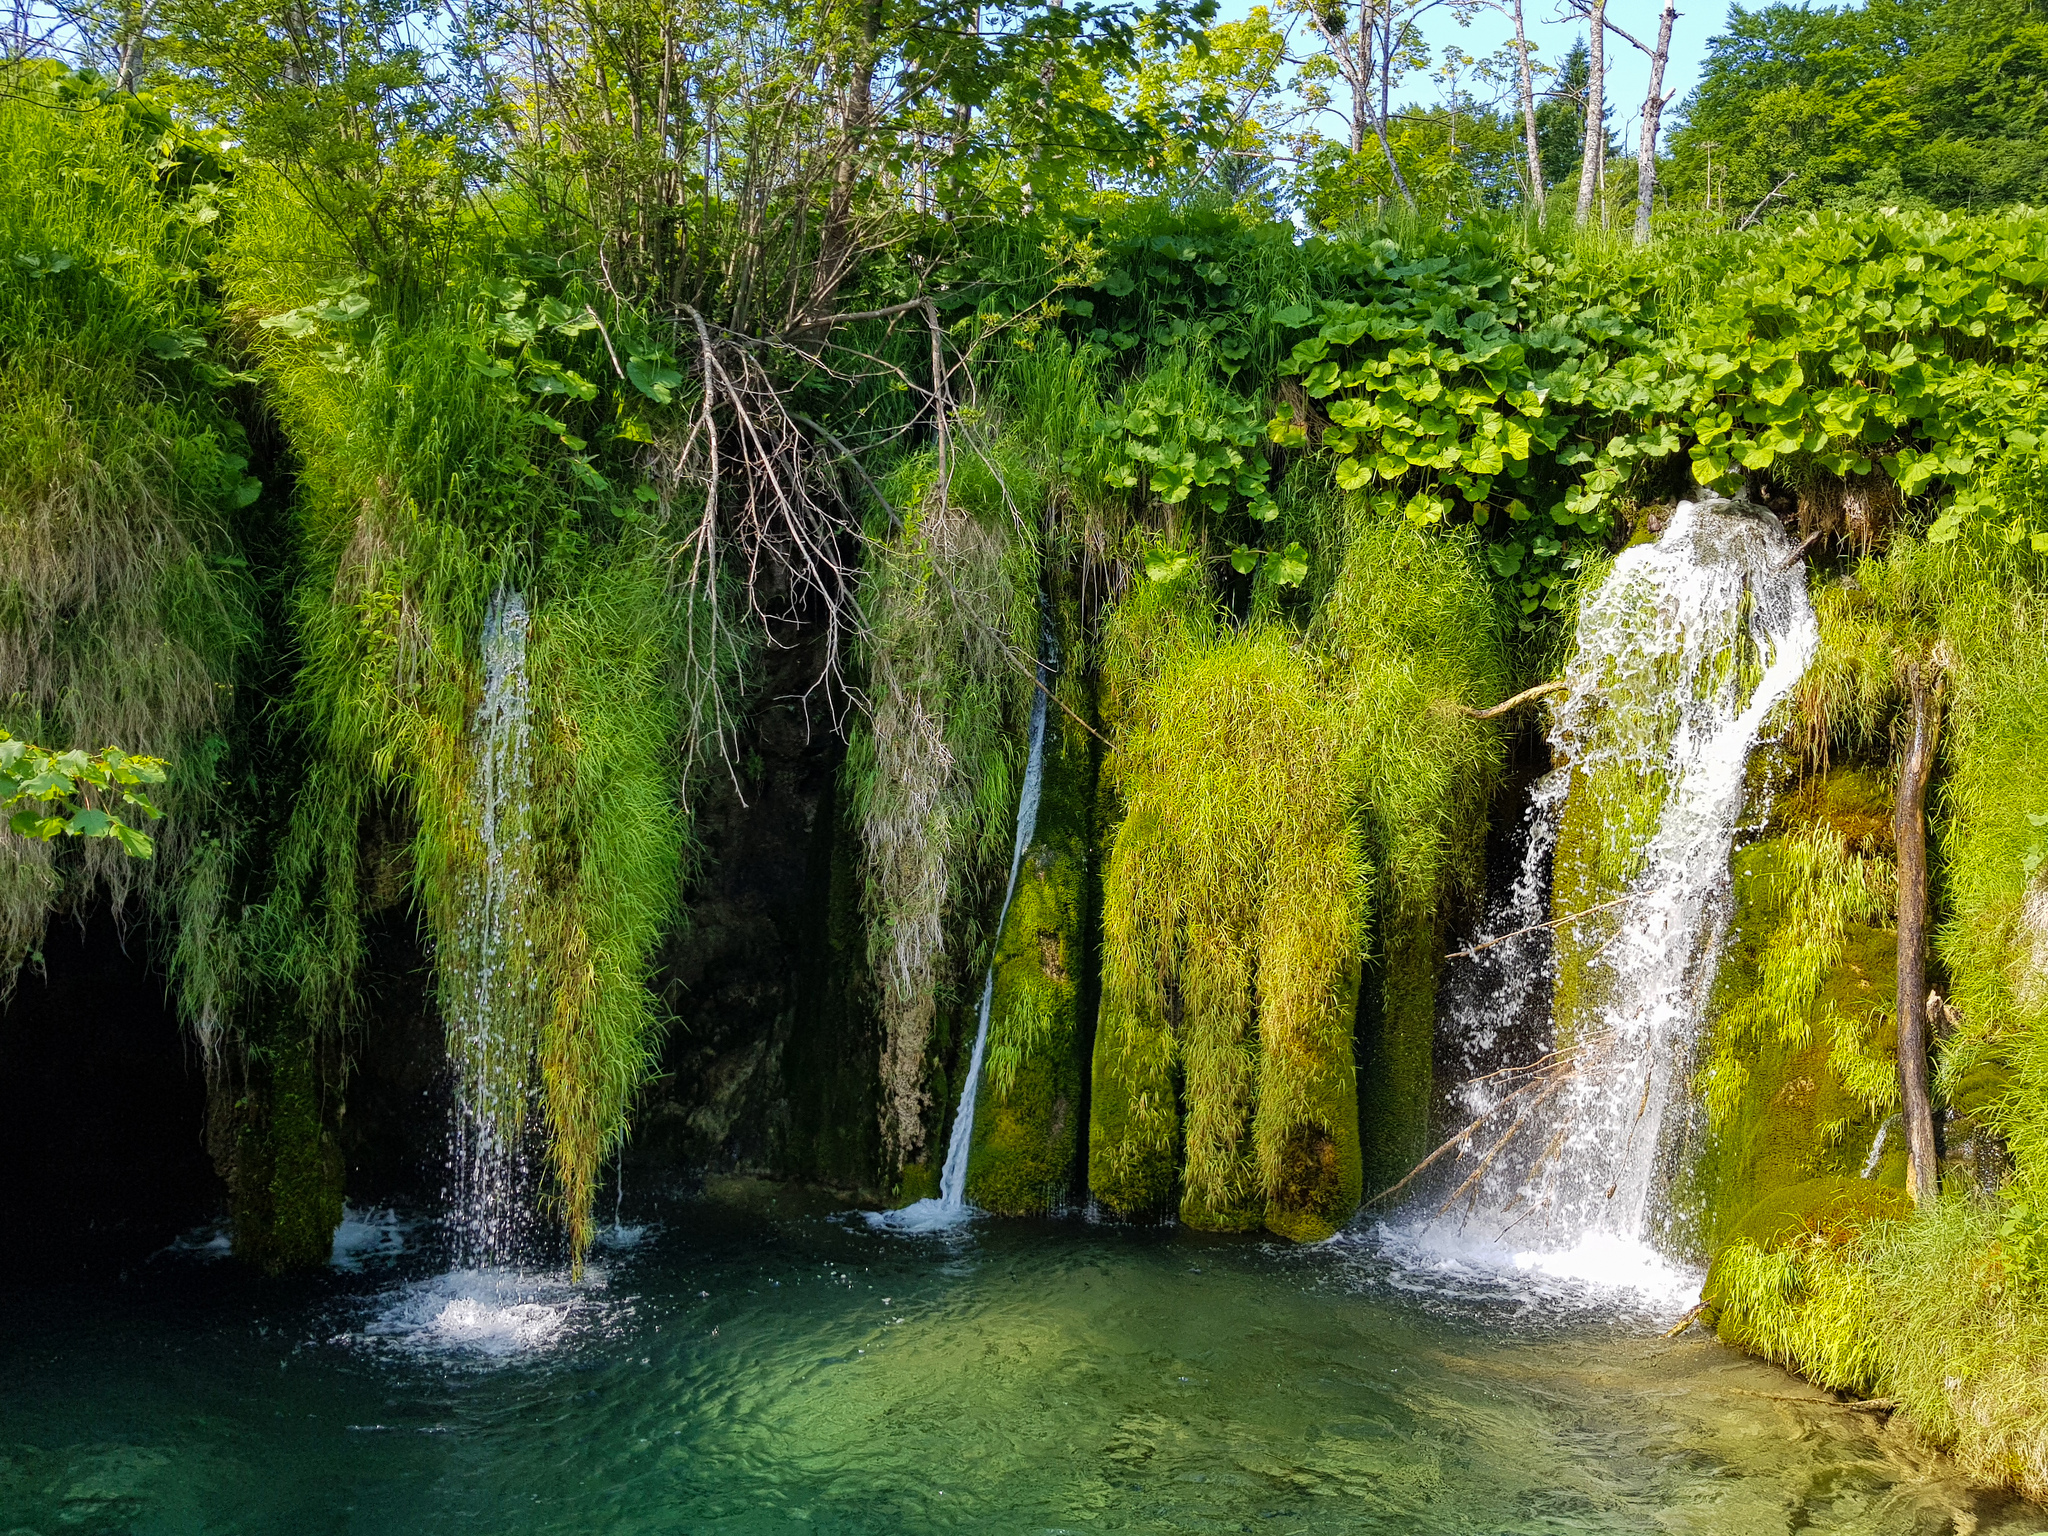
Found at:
<point>760,1368</point>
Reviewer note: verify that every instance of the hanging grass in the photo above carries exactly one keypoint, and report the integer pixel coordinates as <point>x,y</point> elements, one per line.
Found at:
<point>950,627</point>
<point>125,615</point>
<point>432,486</point>
<point>1271,787</point>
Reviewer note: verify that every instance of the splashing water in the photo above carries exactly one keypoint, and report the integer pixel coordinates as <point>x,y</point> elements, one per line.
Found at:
<point>949,1208</point>
<point>490,1042</point>
<point>1681,656</point>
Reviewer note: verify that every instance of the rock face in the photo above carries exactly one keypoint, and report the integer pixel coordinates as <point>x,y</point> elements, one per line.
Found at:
<point>768,1065</point>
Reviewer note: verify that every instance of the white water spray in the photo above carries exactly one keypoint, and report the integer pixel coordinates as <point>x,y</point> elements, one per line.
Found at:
<point>949,1208</point>
<point>1681,656</point>
<point>488,1039</point>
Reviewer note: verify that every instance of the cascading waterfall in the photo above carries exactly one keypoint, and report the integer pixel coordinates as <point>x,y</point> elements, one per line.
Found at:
<point>949,1207</point>
<point>1681,656</point>
<point>490,1042</point>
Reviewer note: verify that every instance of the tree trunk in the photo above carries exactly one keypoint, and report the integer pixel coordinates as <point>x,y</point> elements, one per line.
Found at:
<point>835,239</point>
<point>1528,84</point>
<point>1591,154</point>
<point>1379,120</point>
<point>1653,116</point>
<point>1923,1178</point>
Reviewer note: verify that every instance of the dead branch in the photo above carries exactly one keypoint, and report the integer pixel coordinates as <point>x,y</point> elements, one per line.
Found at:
<point>1556,922</point>
<point>1759,208</point>
<point>1505,705</point>
<point>1686,1321</point>
<point>1799,554</point>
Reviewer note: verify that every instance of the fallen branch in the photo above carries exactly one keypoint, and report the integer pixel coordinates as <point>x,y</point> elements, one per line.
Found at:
<point>1555,922</point>
<point>1516,702</point>
<point>1855,1405</point>
<point>1799,554</point>
<point>1686,1321</point>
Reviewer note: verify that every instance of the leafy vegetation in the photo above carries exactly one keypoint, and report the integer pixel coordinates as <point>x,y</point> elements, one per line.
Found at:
<point>51,793</point>
<point>695,336</point>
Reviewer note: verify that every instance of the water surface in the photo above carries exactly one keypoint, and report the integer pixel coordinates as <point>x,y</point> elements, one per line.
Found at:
<point>757,1368</point>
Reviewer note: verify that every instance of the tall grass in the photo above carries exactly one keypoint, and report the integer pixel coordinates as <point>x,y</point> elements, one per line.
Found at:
<point>126,616</point>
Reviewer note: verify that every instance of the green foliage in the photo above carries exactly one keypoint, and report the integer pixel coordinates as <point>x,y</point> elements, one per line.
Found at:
<point>1890,102</point>
<point>1268,785</point>
<point>125,603</point>
<point>52,793</point>
<point>1189,442</point>
<point>1844,345</point>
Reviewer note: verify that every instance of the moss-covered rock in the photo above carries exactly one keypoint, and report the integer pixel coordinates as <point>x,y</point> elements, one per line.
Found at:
<point>273,1142</point>
<point>917,1181</point>
<point>1027,1123</point>
<point>1798,1067</point>
<point>1396,1042</point>
<point>1322,1168</point>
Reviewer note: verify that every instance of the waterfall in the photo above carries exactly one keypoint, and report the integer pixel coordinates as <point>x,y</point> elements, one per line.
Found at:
<point>949,1207</point>
<point>1680,657</point>
<point>487,988</point>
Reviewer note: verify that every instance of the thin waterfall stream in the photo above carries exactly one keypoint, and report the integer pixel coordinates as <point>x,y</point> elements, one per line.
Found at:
<point>1681,658</point>
<point>489,1044</point>
<point>949,1207</point>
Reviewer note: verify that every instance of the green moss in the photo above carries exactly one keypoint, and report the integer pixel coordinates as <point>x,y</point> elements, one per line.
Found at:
<point>917,1181</point>
<point>272,1138</point>
<point>1798,1064</point>
<point>1027,1123</point>
<point>1272,783</point>
<point>1397,1038</point>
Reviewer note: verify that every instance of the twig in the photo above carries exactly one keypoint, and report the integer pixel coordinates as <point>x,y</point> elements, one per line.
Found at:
<point>1759,208</point>
<point>1799,554</point>
<point>1855,1405</point>
<point>1555,922</point>
<point>1518,700</point>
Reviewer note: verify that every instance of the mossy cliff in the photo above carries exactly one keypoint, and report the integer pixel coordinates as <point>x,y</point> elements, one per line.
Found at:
<point>1798,1067</point>
<point>1270,786</point>
<point>1027,1127</point>
<point>1939,1308</point>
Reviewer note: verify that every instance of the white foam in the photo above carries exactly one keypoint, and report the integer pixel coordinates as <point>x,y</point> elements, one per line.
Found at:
<point>488,1313</point>
<point>1601,1267</point>
<point>364,1236</point>
<point>209,1242</point>
<point>932,1214</point>
<point>620,1236</point>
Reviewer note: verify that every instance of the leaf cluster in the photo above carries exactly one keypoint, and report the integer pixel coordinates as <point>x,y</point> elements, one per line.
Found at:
<point>67,794</point>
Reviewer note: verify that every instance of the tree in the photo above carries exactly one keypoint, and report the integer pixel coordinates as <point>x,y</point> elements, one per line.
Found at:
<point>1653,111</point>
<point>1891,102</point>
<point>50,794</point>
<point>1593,144</point>
<point>1525,79</point>
<point>1370,50</point>
<point>1560,117</point>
